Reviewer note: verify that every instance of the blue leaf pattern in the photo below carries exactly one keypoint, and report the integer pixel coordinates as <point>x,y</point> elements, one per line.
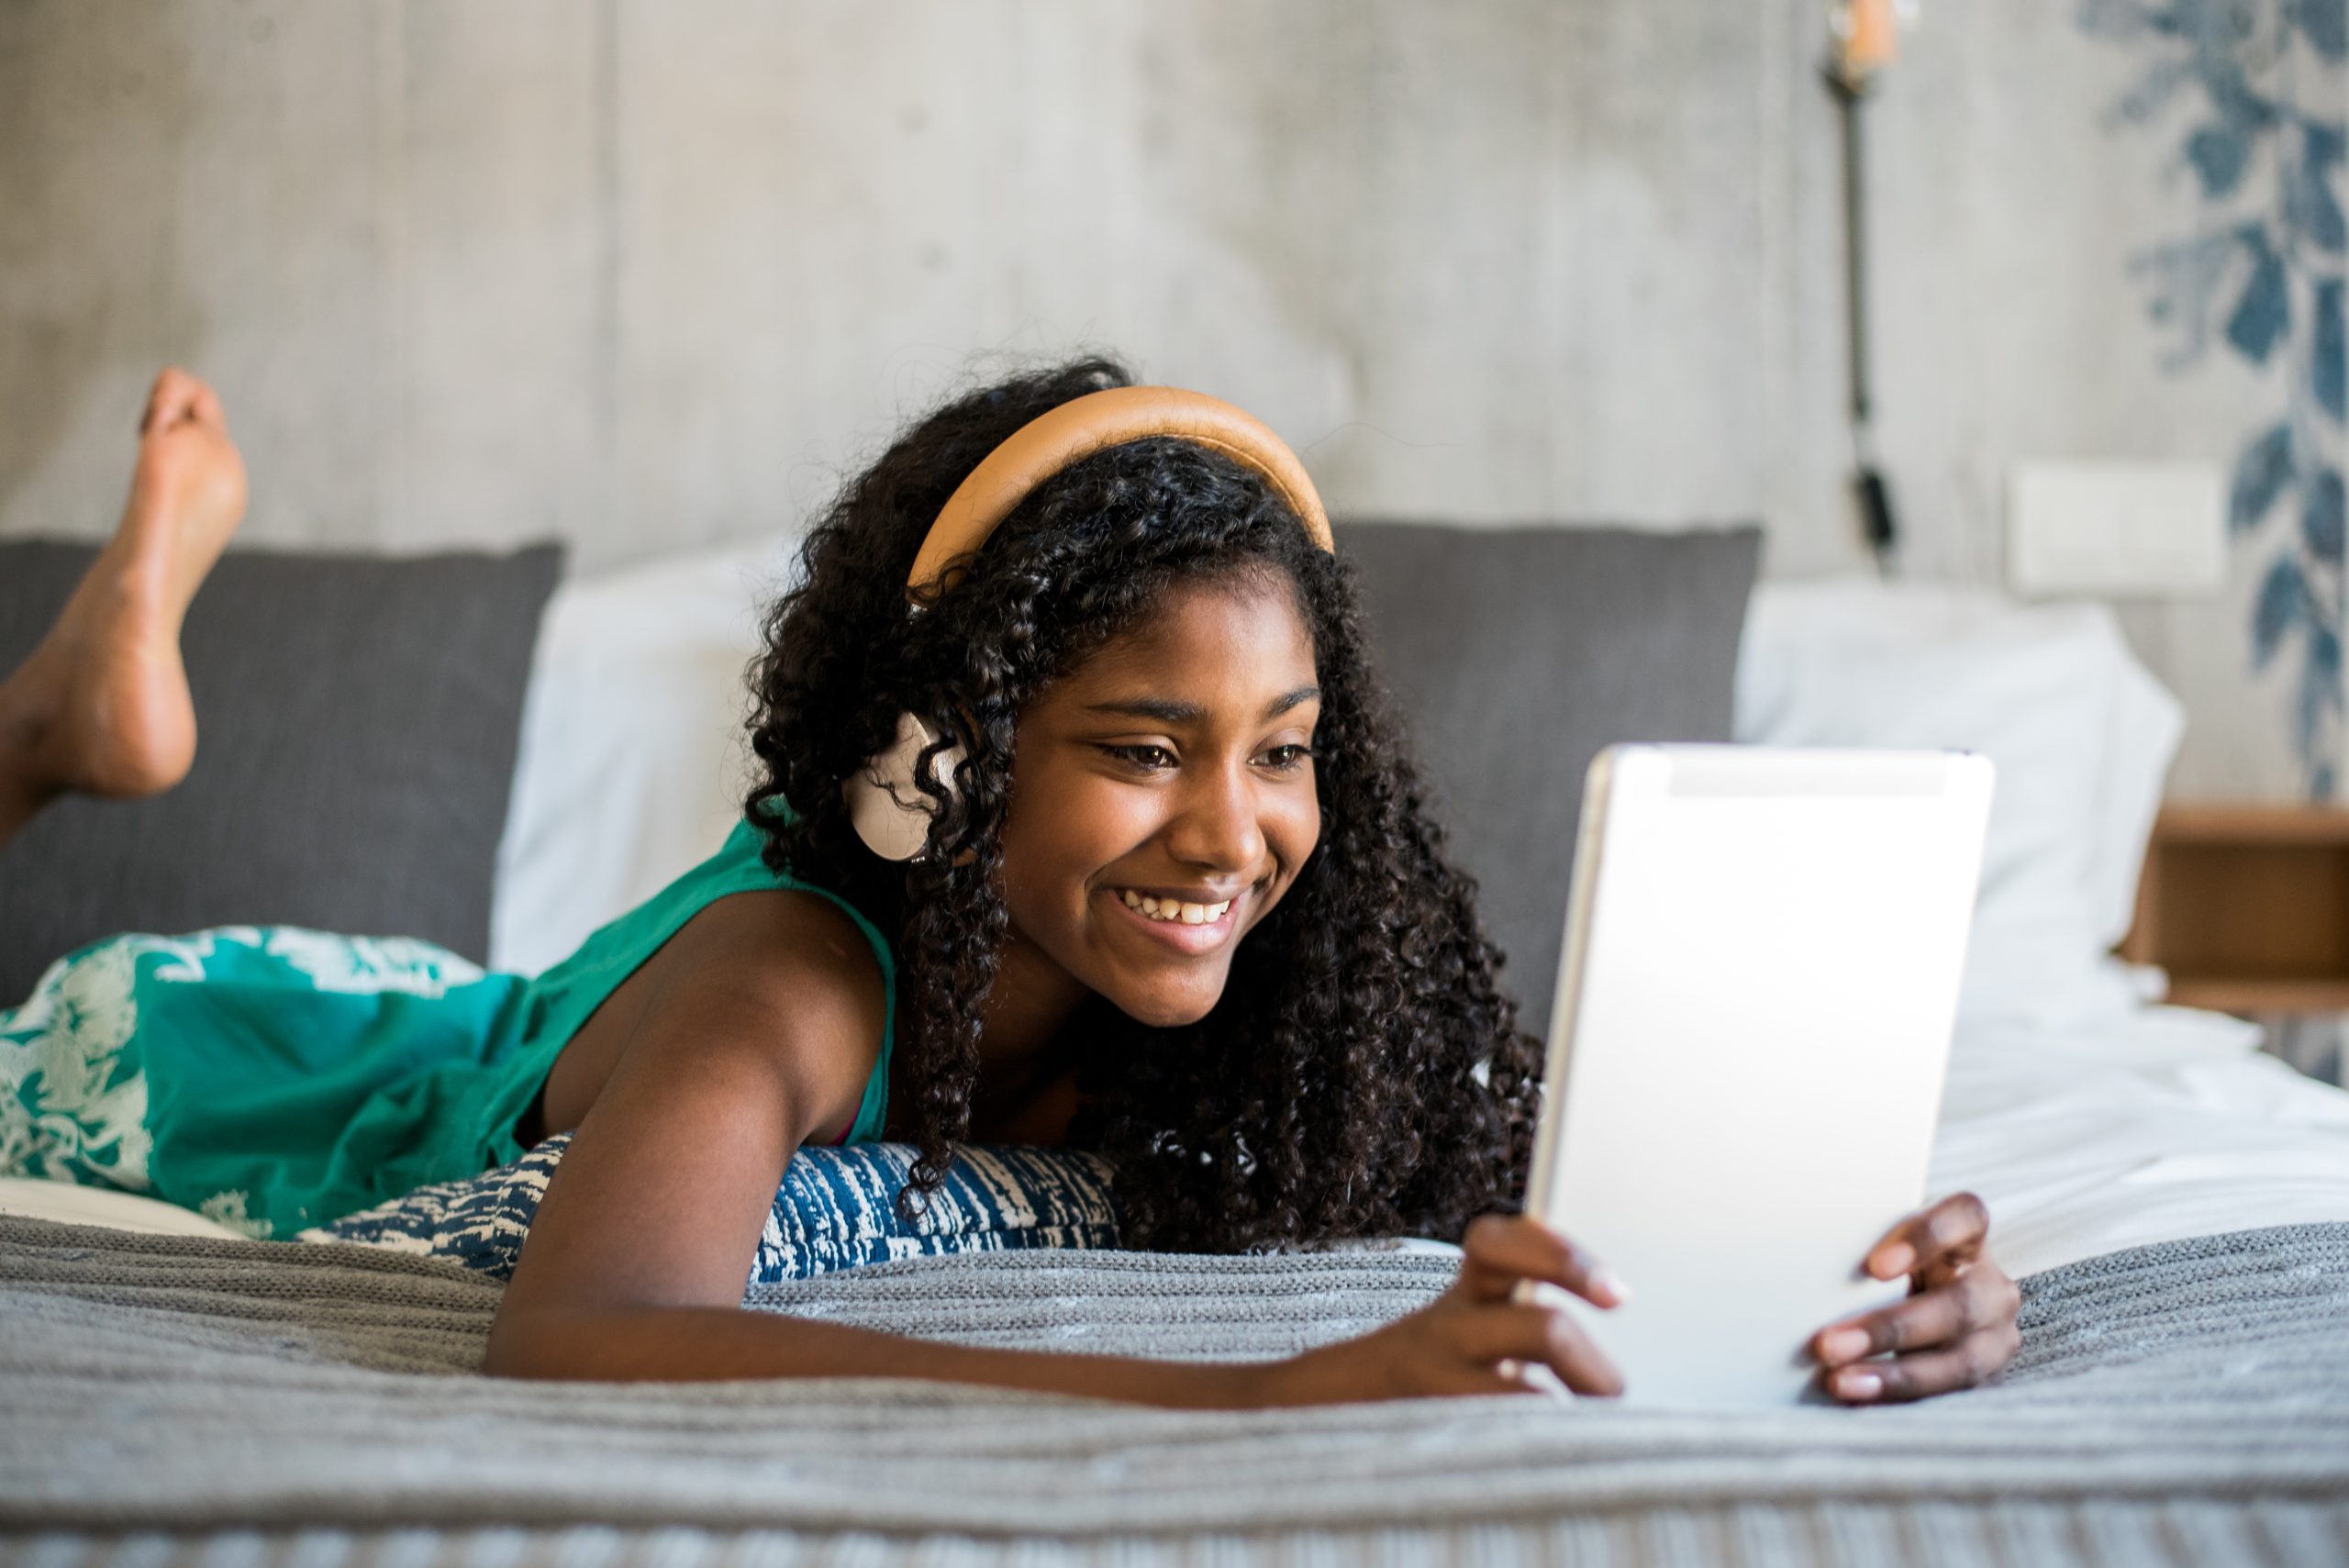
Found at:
<point>2327,352</point>
<point>2263,311</point>
<point>2320,684</point>
<point>2260,269</point>
<point>2325,24</point>
<point>2320,522</point>
<point>2282,604</point>
<point>2322,143</point>
<point>2261,473</point>
<point>2186,277</point>
<point>2219,157</point>
<point>2309,203</point>
<point>2152,93</point>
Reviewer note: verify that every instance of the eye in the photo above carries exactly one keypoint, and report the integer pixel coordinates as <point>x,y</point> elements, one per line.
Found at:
<point>1147,759</point>
<point>1288,759</point>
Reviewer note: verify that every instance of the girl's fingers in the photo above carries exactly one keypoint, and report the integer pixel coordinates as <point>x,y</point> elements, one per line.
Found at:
<point>1478,1380</point>
<point>1954,1227</point>
<point>1971,1361</point>
<point>1501,1251</point>
<point>1510,1331</point>
<point>1977,1300</point>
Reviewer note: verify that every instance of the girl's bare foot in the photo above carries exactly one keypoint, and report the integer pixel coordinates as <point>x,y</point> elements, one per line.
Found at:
<point>102,706</point>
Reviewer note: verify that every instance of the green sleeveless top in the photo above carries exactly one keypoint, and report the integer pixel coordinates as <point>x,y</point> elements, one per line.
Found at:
<point>560,1002</point>
<point>278,1078</point>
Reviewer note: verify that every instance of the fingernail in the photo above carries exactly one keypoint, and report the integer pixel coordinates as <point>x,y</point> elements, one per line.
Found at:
<point>1609,1284</point>
<point>1859,1384</point>
<point>1894,1261</point>
<point>1843,1345</point>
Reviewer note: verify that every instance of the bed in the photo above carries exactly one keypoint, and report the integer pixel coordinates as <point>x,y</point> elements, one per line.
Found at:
<point>2176,1202</point>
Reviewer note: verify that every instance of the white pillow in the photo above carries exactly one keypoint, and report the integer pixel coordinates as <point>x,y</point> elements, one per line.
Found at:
<point>2081,736</point>
<point>633,760</point>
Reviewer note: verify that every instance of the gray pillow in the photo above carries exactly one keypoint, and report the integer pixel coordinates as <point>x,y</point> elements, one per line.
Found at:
<point>357,718</point>
<point>1515,655</point>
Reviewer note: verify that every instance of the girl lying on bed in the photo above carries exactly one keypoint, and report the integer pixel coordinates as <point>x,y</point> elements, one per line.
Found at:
<point>1174,896</point>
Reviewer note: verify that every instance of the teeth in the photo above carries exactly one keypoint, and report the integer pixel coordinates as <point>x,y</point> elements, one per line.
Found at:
<point>1174,909</point>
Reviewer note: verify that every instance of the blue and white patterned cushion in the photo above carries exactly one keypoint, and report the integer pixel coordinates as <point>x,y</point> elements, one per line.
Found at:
<point>836,1209</point>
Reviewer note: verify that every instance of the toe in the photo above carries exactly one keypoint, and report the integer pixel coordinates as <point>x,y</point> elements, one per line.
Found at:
<point>204,404</point>
<point>169,399</point>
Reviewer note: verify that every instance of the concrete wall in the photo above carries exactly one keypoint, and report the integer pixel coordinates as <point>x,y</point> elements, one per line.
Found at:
<point>648,274</point>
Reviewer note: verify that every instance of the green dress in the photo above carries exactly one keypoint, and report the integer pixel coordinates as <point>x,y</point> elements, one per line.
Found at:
<point>274,1078</point>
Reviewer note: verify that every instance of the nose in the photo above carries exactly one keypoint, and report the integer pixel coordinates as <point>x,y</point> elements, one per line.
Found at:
<point>1216,825</point>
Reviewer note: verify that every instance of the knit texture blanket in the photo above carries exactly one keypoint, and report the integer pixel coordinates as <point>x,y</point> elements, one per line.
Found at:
<point>2187,1402</point>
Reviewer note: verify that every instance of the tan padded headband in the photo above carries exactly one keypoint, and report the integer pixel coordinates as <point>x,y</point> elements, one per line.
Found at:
<point>1083,426</point>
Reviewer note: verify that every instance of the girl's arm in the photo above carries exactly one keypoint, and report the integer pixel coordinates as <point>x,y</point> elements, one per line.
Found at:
<point>760,1026</point>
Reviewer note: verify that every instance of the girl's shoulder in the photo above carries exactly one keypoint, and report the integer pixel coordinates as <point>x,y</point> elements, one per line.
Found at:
<point>786,967</point>
<point>738,866</point>
<point>799,957</point>
<point>818,925</point>
<point>800,936</point>
<point>731,960</point>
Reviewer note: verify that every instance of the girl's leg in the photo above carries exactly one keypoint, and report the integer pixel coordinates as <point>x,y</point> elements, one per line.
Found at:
<point>101,707</point>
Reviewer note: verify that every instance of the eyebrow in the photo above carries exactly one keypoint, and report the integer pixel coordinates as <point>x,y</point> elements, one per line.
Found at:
<point>1167,712</point>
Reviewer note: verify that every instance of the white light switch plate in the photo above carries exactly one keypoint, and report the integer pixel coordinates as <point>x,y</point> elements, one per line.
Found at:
<point>2129,529</point>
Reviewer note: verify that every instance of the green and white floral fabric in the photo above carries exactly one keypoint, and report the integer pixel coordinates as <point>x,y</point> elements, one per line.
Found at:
<point>256,1075</point>
<point>274,1079</point>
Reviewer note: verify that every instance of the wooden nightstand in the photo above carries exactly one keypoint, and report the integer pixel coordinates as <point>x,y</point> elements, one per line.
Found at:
<point>2246,908</point>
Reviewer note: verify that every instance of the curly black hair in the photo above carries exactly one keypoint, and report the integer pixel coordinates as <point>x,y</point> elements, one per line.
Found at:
<point>1362,1074</point>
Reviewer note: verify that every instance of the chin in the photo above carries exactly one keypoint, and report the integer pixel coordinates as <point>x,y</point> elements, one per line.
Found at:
<point>1167,1009</point>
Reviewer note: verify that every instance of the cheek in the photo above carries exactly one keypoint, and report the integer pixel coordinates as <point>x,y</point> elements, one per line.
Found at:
<point>1059,831</point>
<point>1292,830</point>
<point>1296,829</point>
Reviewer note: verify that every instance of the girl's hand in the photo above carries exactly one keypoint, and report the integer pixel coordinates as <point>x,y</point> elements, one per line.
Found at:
<point>1957,1327</point>
<point>1474,1337</point>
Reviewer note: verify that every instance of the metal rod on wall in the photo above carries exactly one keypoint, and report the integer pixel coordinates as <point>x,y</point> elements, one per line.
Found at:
<point>1864,41</point>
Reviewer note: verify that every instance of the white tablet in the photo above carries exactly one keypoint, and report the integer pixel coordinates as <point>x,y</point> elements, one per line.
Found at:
<point>1747,1049</point>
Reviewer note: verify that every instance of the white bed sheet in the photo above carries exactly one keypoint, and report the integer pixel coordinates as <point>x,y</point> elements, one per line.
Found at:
<point>2152,1126</point>
<point>71,1205</point>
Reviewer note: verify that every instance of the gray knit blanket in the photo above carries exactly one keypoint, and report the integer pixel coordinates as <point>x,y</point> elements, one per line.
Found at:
<point>166,1398</point>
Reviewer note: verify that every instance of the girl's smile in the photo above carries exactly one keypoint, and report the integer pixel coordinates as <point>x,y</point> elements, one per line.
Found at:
<point>1162,801</point>
<point>1194,922</point>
